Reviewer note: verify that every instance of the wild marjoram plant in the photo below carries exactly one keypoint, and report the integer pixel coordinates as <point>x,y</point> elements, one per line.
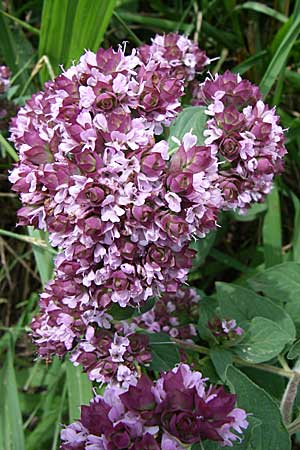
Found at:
<point>123,205</point>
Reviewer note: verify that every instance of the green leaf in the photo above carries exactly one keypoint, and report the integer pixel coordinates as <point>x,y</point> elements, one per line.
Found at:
<point>294,351</point>
<point>5,145</point>
<point>290,33</point>
<point>145,20</point>
<point>11,426</point>
<point>221,358</point>
<point>264,9</point>
<point>149,304</point>
<point>191,119</point>
<point>68,27</point>
<point>120,313</point>
<point>165,354</point>
<point>272,230</point>
<point>272,434</point>
<point>202,247</point>
<point>280,282</point>
<point>249,62</point>
<point>228,260</point>
<point>243,305</point>
<point>79,390</point>
<point>263,341</point>
<point>43,258</point>
<point>207,311</point>
<point>272,383</point>
<point>42,432</point>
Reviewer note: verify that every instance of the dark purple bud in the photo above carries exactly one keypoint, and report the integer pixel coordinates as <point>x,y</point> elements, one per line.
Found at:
<point>88,161</point>
<point>181,182</point>
<point>264,165</point>
<point>147,442</point>
<point>261,130</point>
<point>118,437</point>
<point>108,60</point>
<point>120,281</point>
<point>149,100</point>
<point>160,255</point>
<point>174,226</point>
<point>142,213</point>
<point>139,348</point>
<point>152,164</point>
<point>230,119</point>
<point>184,425</point>
<point>140,398</point>
<point>95,418</point>
<point>229,148</point>
<point>106,101</point>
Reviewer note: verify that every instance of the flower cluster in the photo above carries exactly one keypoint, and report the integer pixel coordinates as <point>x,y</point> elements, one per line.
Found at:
<point>91,174</point>
<point>5,75</point>
<point>224,329</point>
<point>106,352</point>
<point>176,53</point>
<point>176,411</point>
<point>244,133</point>
<point>174,314</point>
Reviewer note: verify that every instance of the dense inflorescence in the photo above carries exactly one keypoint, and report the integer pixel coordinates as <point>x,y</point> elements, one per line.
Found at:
<point>92,175</point>
<point>176,411</point>
<point>245,134</point>
<point>175,314</point>
<point>122,209</point>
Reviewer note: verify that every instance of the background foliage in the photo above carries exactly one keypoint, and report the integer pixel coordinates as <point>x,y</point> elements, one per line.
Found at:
<point>254,258</point>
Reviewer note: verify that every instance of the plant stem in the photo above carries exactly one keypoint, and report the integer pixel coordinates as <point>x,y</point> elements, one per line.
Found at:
<point>288,399</point>
<point>264,367</point>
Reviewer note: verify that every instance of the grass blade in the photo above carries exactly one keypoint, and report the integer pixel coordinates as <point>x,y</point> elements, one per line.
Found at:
<point>15,49</point>
<point>272,230</point>
<point>23,24</point>
<point>43,258</point>
<point>10,411</point>
<point>59,417</point>
<point>264,9</point>
<point>69,27</point>
<point>155,22</point>
<point>79,390</point>
<point>281,54</point>
<point>8,148</point>
<point>249,62</point>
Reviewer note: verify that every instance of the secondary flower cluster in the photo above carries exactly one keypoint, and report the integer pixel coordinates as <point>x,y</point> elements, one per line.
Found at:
<point>108,355</point>
<point>244,133</point>
<point>174,314</point>
<point>173,413</point>
<point>225,330</point>
<point>106,352</point>
<point>177,53</point>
